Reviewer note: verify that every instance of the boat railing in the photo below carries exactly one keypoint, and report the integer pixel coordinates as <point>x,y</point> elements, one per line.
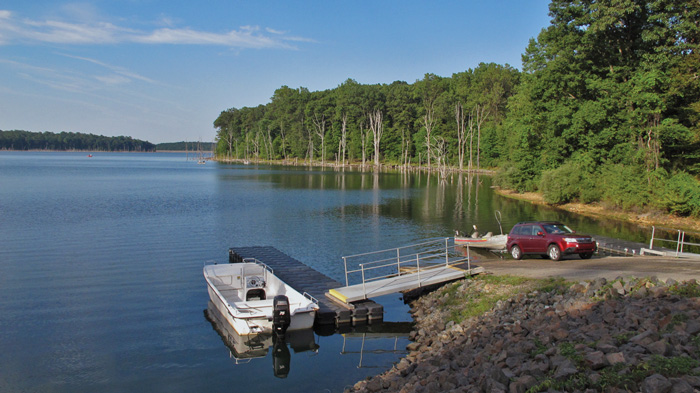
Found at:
<point>308,296</point>
<point>258,262</point>
<point>402,260</point>
<point>680,241</point>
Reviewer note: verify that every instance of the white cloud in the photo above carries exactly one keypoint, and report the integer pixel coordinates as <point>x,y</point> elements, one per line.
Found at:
<point>193,37</point>
<point>113,79</point>
<point>14,30</point>
<point>116,69</point>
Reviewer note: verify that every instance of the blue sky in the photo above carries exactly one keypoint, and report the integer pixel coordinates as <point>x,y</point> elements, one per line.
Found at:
<point>162,71</point>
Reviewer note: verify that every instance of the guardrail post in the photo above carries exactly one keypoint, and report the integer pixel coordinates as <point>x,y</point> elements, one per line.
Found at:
<point>651,242</point>
<point>364,290</point>
<point>447,258</point>
<point>682,242</point>
<point>678,243</point>
<point>345,261</point>
<point>418,268</point>
<point>398,261</point>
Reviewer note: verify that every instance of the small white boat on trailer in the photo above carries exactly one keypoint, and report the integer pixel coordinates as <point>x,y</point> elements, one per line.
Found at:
<point>489,241</point>
<point>253,300</point>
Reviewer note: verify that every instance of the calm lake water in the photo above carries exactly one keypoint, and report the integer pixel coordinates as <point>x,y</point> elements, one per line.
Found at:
<point>101,262</point>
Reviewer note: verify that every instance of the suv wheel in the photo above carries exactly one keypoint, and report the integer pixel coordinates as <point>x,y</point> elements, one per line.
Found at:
<point>515,252</point>
<point>554,252</point>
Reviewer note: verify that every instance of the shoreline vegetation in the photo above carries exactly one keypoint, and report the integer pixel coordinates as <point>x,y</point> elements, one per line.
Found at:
<point>19,140</point>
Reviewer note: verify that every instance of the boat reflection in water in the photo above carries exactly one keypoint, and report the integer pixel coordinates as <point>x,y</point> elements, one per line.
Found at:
<point>245,348</point>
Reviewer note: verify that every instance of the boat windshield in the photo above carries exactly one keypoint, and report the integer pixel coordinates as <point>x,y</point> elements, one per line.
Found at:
<point>557,229</point>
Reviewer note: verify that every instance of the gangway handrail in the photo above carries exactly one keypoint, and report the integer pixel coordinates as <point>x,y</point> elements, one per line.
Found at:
<point>679,242</point>
<point>419,269</point>
<point>405,260</point>
<point>397,248</point>
<point>427,257</point>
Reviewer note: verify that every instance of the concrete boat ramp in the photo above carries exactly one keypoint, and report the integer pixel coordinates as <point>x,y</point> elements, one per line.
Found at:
<point>366,276</point>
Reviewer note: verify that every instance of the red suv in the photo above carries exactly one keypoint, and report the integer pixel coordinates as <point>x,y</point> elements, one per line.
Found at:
<point>549,238</point>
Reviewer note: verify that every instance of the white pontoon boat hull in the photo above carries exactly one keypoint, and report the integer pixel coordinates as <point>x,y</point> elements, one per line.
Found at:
<point>244,294</point>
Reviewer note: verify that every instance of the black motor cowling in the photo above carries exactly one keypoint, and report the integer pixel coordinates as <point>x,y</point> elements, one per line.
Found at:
<point>280,314</point>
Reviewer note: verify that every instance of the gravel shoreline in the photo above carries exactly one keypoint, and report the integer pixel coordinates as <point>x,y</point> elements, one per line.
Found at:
<point>548,336</point>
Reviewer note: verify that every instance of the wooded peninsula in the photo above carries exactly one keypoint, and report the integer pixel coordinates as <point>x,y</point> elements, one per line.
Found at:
<point>67,141</point>
<point>605,109</point>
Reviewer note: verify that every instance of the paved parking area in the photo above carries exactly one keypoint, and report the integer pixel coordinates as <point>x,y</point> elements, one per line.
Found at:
<point>574,268</point>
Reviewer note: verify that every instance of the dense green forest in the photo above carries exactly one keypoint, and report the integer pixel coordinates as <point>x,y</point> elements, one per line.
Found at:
<point>606,108</point>
<point>185,146</point>
<point>26,140</point>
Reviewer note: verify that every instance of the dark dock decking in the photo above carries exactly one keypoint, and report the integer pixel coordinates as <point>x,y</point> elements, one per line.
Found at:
<point>303,278</point>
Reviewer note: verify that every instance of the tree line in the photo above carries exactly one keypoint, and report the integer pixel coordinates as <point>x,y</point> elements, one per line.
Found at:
<point>436,121</point>
<point>606,108</point>
<point>66,141</point>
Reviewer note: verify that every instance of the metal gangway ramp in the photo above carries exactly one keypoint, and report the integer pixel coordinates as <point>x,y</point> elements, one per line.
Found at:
<point>401,269</point>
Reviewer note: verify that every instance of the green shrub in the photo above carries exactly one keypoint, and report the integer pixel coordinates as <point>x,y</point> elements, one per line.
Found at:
<point>682,195</point>
<point>516,178</point>
<point>561,185</point>
<point>624,186</point>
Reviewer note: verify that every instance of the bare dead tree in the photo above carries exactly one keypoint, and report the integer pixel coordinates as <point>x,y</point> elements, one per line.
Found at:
<point>461,133</point>
<point>229,138</point>
<point>256,145</point>
<point>320,129</point>
<point>440,153</point>
<point>405,145</point>
<point>310,145</point>
<point>342,144</point>
<point>429,123</point>
<point>375,124</point>
<point>471,140</point>
<point>482,114</point>
<point>269,143</point>
<point>283,137</point>
<point>363,137</point>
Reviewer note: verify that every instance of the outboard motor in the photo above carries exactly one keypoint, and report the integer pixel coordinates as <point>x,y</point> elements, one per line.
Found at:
<point>280,314</point>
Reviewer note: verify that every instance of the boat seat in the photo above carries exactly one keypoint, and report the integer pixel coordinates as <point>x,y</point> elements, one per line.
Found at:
<point>255,294</point>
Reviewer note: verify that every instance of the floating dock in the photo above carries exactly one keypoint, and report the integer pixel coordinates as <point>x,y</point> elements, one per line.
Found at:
<point>303,278</point>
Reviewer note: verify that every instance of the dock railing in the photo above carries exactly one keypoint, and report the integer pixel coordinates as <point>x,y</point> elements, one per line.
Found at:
<point>679,242</point>
<point>416,258</point>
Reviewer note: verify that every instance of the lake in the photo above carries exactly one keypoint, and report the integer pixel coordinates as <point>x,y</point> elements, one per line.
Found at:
<point>101,264</point>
